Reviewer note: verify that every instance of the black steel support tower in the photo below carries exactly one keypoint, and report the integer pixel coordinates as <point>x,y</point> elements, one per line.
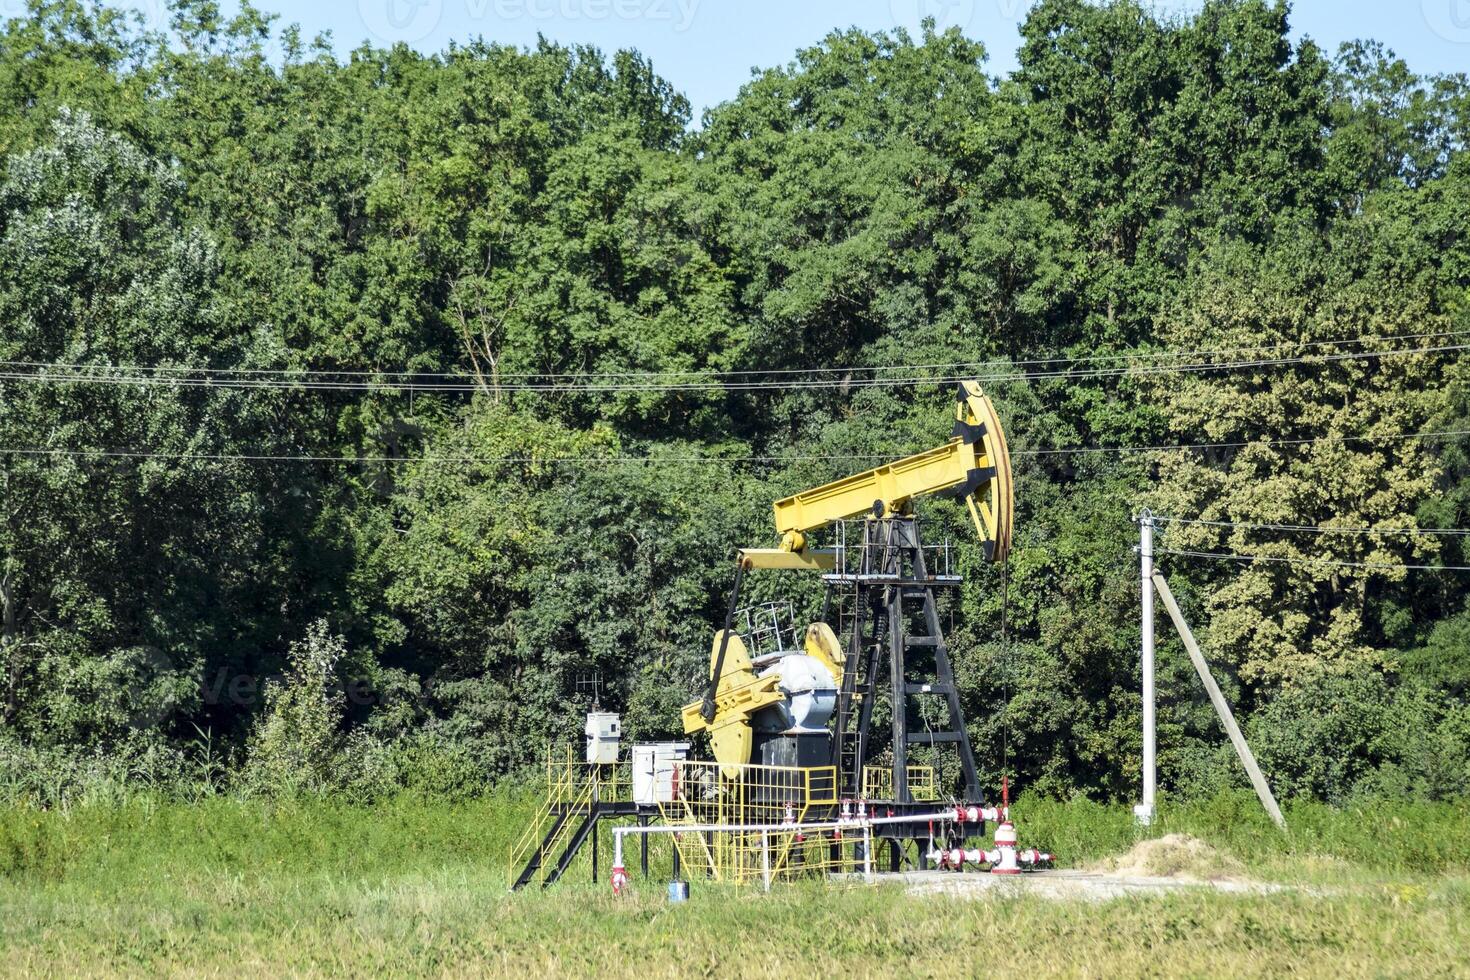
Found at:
<point>893,590</point>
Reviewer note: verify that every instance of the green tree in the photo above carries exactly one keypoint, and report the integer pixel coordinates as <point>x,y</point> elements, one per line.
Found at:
<point>112,585</point>
<point>1377,275</point>
<point>297,742</point>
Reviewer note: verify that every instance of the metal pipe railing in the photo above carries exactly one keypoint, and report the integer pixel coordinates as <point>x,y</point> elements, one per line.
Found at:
<point>863,823</point>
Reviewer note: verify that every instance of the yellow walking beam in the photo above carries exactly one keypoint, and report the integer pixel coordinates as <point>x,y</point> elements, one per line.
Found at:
<point>975,465</point>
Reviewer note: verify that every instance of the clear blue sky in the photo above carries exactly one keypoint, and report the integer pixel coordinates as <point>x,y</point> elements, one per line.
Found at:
<point>708,47</point>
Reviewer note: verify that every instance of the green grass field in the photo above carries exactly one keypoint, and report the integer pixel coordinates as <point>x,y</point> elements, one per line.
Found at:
<point>419,887</point>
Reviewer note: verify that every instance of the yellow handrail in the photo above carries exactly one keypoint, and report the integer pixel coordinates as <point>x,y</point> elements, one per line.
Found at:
<point>878,783</point>
<point>580,807</point>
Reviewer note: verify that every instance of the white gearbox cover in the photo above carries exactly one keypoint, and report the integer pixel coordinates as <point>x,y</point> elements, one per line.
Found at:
<point>811,692</point>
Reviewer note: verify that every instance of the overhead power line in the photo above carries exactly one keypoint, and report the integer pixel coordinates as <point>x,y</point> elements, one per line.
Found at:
<point>72,376</point>
<point>166,370</point>
<point>1320,529</point>
<point>1275,559</point>
<point>591,461</point>
<point>1248,443</point>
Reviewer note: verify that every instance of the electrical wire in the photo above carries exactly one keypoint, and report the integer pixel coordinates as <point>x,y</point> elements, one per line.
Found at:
<point>677,460</point>
<point>1318,529</point>
<point>1007,666</point>
<point>1302,441</point>
<point>1224,556</point>
<point>848,369</point>
<point>844,384</point>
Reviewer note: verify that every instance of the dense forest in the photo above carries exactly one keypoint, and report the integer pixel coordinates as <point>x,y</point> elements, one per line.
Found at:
<point>353,411</point>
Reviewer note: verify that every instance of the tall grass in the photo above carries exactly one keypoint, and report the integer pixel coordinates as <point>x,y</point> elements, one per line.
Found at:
<point>334,835</point>
<point>256,838</point>
<point>417,885</point>
<point>1387,835</point>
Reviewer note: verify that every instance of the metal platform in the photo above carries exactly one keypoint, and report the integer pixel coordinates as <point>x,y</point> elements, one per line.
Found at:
<point>581,796</point>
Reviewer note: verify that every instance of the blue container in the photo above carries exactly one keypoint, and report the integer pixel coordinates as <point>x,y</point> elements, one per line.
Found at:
<point>678,891</point>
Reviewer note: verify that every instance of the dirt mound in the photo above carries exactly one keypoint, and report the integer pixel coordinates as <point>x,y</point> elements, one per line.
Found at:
<point>1174,856</point>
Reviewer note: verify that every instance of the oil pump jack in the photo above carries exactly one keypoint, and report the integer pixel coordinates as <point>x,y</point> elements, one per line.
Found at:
<point>814,706</point>
<point>794,726</point>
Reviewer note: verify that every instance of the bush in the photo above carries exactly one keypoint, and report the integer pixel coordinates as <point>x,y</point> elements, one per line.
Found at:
<point>296,744</point>
<point>142,765</point>
<point>425,764</point>
<point>1342,738</point>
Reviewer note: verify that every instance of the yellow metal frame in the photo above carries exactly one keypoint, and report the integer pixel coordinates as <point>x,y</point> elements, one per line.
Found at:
<point>566,766</point>
<point>975,463</point>
<point>572,786</point>
<point>738,696</point>
<point>878,783</point>
<point>710,793</point>
<point>979,447</point>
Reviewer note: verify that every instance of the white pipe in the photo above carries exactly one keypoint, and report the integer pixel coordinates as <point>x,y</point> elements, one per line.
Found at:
<point>856,823</point>
<point>956,856</point>
<point>864,823</point>
<point>867,855</point>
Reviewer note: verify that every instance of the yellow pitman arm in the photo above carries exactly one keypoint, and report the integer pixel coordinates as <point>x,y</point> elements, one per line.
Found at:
<point>975,464</point>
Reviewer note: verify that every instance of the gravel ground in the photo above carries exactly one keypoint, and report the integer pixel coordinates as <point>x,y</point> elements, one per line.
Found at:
<point>1084,885</point>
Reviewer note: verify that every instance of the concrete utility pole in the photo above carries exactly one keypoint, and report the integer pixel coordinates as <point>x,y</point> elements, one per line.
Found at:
<point>1247,758</point>
<point>1145,810</point>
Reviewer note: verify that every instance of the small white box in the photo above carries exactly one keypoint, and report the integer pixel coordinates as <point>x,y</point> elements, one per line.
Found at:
<point>603,734</point>
<point>653,771</point>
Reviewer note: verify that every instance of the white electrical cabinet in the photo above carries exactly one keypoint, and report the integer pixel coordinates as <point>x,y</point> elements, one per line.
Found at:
<point>653,771</point>
<point>603,735</point>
